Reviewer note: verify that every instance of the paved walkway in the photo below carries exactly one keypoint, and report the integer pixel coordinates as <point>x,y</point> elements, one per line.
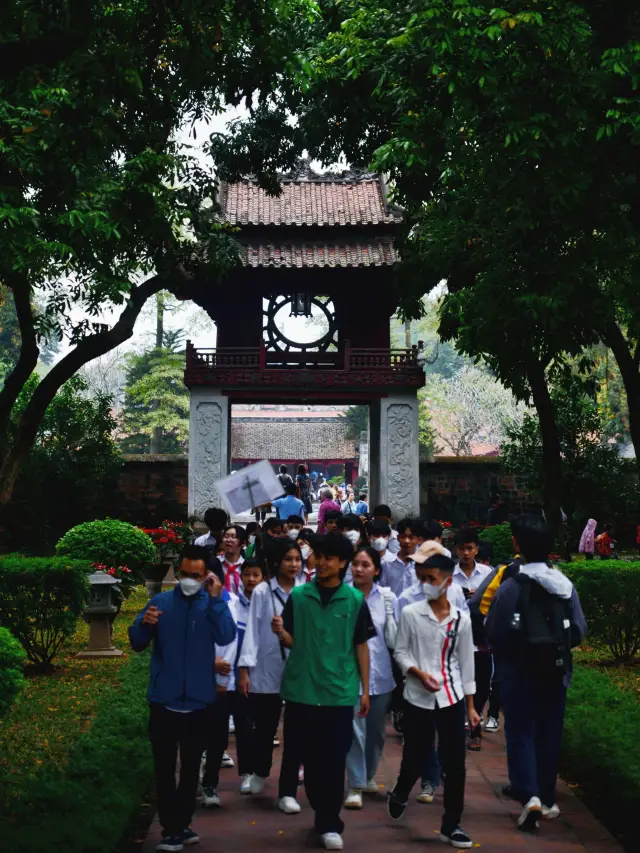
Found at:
<point>246,824</point>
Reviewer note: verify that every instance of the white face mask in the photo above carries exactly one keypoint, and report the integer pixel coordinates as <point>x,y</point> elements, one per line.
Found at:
<point>432,592</point>
<point>353,536</point>
<point>305,550</point>
<point>380,543</point>
<point>189,586</point>
<point>252,540</point>
<point>293,534</point>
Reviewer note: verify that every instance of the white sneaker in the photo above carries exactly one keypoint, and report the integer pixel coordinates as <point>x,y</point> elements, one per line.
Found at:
<point>245,784</point>
<point>426,794</point>
<point>257,783</point>
<point>492,725</point>
<point>371,787</point>
<point>227,761</point>
<point>550,812</point>
<point>210,797</point>
<point>232,725</point>
<point>289,805</point>
<point>353,800</point>
<point>332,841</point>
<point>529,819</point>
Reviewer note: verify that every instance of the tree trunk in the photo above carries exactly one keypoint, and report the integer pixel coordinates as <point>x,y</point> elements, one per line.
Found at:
<point>27,360</point>
<point>89,348</point>
<point>407,334</point>
<point>156,432</point>
<point>630,373</point>
<point>551,454</point>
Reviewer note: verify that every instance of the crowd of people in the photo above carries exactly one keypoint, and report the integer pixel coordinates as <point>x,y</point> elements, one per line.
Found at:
<point>345,628</point>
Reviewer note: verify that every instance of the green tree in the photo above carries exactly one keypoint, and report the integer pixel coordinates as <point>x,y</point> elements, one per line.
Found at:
<point>101,205</point>
<point>69,475</point>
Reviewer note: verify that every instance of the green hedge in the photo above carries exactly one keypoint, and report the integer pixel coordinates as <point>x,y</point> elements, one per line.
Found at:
<point>601,748</point>
<point>500,537</point>
<point>89,804</point>
<point>12,661</point>
<point>111,543</point>
<point>40,600</point>
<point>609,592</point>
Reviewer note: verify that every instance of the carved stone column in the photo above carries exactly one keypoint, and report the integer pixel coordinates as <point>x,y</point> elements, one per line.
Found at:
<point>395,454</point>
<point>209,447</point>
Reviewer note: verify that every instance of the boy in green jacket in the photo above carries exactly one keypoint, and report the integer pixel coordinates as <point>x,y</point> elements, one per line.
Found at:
<point>326,624</point>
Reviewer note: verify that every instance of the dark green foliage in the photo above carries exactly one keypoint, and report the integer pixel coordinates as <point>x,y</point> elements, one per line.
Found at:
<point>500,537</point>
<point>110,543</point>
<point>12,660</point>
<point>88,804</point>
<point>70,474</point>
<point>40,600</point>
<point>357,418</point>
<point>610,596</point>
<point>601,750</point>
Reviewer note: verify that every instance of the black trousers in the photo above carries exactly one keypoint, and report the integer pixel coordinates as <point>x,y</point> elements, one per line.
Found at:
<point>321,736</point>
<point>495,699</point>
<point>238,705</point>
<point>170,732</point>
<point>484,668</point>
<point>420,726</point>
<point>266,714</point>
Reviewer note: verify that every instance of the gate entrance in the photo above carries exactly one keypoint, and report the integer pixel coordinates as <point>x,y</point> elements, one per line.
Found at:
<point>322,252</point>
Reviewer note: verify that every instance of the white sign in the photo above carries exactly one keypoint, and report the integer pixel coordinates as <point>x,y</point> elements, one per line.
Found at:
<point>248,488</point>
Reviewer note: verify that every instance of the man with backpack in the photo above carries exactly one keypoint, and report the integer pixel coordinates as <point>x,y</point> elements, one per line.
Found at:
<point>533,623</point>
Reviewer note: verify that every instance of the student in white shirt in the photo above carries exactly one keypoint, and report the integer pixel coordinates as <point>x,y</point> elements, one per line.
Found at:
<point>469,574</point>
<point>305,541</point>
<point>383,513</point>
<point>434,650</point>
<point>368,732</point>
<point>433,530</point>
<point>234,539</point>
<point>216,520</point>
<point>261,666</point>
<point>398,571</point>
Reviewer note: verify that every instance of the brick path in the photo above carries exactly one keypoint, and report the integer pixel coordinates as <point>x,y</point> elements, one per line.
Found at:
<point>245,823</point>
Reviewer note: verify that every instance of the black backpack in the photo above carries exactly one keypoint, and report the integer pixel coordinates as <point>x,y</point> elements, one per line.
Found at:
<point>542,630</point>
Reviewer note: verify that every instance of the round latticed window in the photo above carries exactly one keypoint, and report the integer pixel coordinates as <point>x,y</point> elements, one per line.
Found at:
<point>289,327</point>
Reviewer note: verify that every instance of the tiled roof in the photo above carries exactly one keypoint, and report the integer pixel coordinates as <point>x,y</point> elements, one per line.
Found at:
<point>308,203</point>
<point>373,252</point>
<point>291,440</point>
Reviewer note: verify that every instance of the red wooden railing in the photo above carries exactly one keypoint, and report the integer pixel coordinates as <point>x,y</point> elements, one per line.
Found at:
<point>348,359</point>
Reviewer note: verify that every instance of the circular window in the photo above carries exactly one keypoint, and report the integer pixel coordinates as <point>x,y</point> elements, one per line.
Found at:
<point>284,332</point>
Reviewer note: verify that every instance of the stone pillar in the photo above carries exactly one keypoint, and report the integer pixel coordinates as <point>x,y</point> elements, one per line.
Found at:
<point>209,447</point>
<point>395,454</point>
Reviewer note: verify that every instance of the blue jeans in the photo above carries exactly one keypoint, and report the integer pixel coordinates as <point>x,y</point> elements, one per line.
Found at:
<point>368,741</point>
<point>533,720</point>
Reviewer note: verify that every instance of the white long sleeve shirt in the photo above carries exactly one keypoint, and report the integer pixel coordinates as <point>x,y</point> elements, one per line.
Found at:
<point>261,649</point>
<point>442,649</point>
<point>396,574</point>
<point>479,573</point>
<point>414,593</point>
<point>230,652</point>
<point>381,678</point>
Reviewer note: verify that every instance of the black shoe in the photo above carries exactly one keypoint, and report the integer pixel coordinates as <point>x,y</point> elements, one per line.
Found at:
<point>395,807</point>
<point>457,838</point>
<point>171,843</point>
<point>190,837</point>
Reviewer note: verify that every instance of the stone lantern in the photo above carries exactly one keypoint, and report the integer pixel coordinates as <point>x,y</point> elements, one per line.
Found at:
<point>100,613</point>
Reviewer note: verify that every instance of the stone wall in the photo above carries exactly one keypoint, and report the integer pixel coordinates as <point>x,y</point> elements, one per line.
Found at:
<point>456,489</point>
<point>461,489</point>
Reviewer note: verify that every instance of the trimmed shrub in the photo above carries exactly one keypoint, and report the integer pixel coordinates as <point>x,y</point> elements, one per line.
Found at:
<point>609,592</point>
<point>90,803</point>
<point>40,600</point>
<point>12,660</point>
<point>110,543</point>
<point>601,750</point>
<point>500,537</point>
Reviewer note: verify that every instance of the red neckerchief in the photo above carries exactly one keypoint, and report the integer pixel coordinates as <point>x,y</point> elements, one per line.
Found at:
<point>231,572</point>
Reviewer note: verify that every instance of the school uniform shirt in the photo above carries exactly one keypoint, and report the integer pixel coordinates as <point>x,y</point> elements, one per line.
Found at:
<point>396,574</point>
<point>394,546</point>
<point>414,593</point>
<point>232,569</point>
<point>206,541</point>
<point>305,575</point>
<point>479,573</point>
<point>242,615</point>
<point>261,648</point>
<point>229,653</point>
<point>442,649</point>
<point>381,678</point>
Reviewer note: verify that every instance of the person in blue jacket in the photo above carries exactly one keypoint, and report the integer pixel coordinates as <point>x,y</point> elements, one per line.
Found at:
<point>185,624</point>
